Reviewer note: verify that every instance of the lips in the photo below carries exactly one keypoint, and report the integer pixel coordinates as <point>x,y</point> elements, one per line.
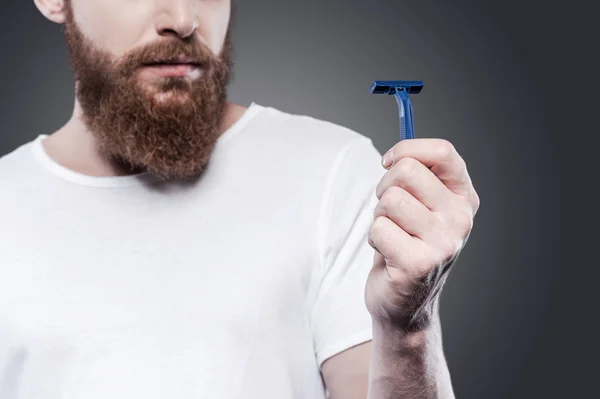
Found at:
<point>181,60</point>
<point>171,65</point>
<point>176,67</point>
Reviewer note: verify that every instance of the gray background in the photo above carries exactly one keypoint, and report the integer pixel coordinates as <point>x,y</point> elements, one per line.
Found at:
<point>488,70</point>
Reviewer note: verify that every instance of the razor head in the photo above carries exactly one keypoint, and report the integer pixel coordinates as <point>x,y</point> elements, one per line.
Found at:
<point>389,86</point>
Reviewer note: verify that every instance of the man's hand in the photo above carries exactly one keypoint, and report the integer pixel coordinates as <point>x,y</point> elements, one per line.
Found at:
<point>422,221</point>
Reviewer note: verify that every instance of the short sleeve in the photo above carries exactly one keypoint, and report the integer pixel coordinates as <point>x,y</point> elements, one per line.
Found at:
<point>338,314</point>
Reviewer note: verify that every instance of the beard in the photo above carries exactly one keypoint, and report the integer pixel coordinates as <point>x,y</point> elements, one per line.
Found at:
<point>167,126</point>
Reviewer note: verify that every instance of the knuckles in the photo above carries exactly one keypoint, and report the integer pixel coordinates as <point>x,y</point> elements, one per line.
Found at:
<point>404,169</point>
<point>376,230</point>
<point>444,149</point>
<point>392,198</point>
<point>464,223</point>
<point>449,247</point>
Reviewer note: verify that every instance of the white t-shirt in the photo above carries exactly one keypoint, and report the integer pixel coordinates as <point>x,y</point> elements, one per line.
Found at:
<point>238,285</point>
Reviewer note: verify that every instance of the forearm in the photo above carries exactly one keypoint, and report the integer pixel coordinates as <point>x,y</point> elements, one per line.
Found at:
<point>409,365</point>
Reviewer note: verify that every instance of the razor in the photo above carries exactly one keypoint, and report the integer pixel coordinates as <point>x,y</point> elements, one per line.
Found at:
<point>402,90</point>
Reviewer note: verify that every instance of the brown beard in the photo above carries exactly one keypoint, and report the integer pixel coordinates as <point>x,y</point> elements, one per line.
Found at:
<point>171,139</point>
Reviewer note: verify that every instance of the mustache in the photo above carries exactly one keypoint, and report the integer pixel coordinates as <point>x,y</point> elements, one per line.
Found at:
<point>169,51</point>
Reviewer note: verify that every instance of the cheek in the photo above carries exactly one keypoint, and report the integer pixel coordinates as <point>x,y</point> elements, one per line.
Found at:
<point>213,28</point>
<point>109,23</point>
<point>216,41</point>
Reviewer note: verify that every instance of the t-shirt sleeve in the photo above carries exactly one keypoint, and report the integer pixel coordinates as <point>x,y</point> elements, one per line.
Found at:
<point>338,314</point>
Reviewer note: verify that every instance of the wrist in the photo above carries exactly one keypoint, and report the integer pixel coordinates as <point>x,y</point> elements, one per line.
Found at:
<point>398,340</point>
<point>424,328</point>
<point>412,318</point>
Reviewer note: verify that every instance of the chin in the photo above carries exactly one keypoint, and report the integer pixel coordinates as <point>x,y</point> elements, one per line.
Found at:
<point>175,97</point>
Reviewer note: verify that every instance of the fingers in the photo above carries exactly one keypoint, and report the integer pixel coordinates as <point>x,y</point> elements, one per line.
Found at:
<point>440,157</point>
<point>419,181</point>
<point>387,238</point>
<point>408,213</point>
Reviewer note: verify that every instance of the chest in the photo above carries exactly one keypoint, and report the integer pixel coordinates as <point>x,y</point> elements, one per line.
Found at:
<point>175,294</point>
<point>150,276</point>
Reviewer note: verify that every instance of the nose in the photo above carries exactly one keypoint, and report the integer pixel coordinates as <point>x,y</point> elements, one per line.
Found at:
<point>177,17</point>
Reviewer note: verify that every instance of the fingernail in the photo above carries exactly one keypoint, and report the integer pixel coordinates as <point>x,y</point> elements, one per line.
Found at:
<point>387,159</point>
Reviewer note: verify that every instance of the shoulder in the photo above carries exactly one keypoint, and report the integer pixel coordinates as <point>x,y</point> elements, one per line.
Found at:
<point>14,157</point>
<point>309,130</point>
<point>16,168</point>
<point>320,142</point>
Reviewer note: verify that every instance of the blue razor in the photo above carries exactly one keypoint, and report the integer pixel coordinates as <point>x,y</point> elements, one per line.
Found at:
<point>401,89</point>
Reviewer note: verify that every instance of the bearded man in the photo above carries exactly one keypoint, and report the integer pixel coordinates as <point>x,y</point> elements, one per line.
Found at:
<point>167,243</point>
